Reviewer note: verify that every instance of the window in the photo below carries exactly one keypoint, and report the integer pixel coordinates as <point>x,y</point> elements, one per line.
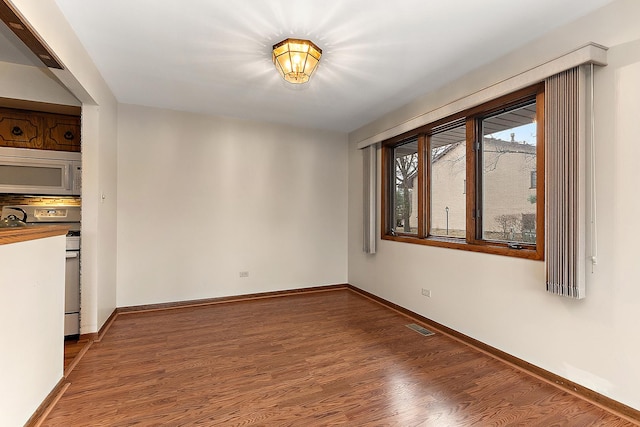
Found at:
<point>493,151</point>
<point>534,180</point>
<point>448,169</point>
<point>405,203</point>
<point>507,153</point>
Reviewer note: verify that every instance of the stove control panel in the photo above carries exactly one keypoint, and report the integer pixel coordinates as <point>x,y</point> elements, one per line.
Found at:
<point>45,213</point>
<point>50,213</point>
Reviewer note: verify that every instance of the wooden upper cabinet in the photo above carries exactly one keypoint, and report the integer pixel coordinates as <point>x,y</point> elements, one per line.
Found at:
<point>44,131</point>
<point>62,133</point>
<point>20,129</point>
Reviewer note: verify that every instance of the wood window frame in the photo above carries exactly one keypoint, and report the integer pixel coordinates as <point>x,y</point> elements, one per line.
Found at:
<point>471,118</point>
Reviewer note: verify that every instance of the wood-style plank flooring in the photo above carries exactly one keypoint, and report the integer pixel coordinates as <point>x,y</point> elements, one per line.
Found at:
<point>314,359</point>
<point>72,348</point>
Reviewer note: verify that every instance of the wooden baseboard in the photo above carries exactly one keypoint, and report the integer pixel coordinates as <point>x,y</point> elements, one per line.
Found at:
<point>48,403</point>
<point>88,337</point>
<point>105,327</point>
<point>76,360</point>
<point>219,300</point>
<point>604,402</point>
<point>97,336</point>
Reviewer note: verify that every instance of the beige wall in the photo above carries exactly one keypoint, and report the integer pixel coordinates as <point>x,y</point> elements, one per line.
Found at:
<point>202,198</point>
<point>501,300</point>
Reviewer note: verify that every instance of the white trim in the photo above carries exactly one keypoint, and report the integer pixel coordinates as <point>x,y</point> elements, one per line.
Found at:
<point>590,53</point>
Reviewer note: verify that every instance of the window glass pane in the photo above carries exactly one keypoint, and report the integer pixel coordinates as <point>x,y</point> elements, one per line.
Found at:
<point>405,195</point>
<point>508,176</point>
<point>448,181</point>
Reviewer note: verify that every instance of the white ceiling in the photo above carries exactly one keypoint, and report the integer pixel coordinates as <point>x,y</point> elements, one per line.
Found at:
<point>214,56</point>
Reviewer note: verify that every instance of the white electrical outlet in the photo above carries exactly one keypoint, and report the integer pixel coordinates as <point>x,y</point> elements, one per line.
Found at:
<point>426,292</point>
<point>244,274</point>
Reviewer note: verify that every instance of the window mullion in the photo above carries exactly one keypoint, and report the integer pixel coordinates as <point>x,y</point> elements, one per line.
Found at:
<point>472,180</point>
<point>423,186</point>
<point>479,178</point>
<point>540,173</point>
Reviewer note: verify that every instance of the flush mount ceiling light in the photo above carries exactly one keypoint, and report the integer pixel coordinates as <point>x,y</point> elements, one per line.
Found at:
<point>296,59</point>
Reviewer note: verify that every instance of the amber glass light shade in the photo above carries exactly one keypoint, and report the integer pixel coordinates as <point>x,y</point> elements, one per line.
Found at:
<point>296,59</point>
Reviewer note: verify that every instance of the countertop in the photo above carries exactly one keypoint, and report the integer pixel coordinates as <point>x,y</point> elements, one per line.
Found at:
<point>22,234</point>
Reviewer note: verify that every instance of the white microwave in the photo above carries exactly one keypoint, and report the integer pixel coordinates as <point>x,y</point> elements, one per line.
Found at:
<point>40,172</point>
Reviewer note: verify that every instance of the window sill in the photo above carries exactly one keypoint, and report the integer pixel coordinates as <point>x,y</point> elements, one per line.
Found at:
<point>459,244</point>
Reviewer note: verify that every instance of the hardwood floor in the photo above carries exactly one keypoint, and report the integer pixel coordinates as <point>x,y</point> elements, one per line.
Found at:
<point>315,359</point>
<point>71,349</point>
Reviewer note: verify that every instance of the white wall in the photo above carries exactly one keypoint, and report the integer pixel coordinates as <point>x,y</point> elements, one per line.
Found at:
<point>99,130</point>
<point>502,301</point>
<point>31,325</point>
<point>202,198</point>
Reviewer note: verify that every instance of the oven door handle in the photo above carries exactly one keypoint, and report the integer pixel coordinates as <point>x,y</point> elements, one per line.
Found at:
<point>72,254</point>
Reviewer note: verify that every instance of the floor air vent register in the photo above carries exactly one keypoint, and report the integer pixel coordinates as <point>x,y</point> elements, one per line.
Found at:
<point>419,329</point>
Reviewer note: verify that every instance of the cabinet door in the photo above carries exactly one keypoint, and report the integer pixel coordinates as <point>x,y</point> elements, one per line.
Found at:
<point>62,133</point>
<point>21,130</point>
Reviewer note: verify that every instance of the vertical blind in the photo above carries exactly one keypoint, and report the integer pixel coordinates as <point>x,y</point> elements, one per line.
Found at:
<point>369,167</point>
<point>566,117</point>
